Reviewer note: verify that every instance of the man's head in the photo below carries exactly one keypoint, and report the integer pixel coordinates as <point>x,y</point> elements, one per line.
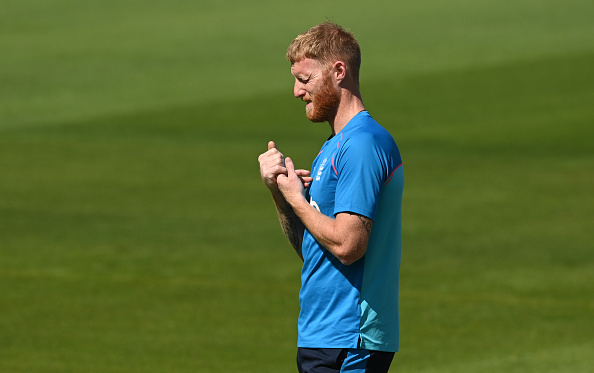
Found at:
<point>325,60</point>
<point>327,43</point>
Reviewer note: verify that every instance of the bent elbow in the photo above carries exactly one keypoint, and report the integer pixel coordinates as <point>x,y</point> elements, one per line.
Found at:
<point>348,256</point>
<point>347,261</point>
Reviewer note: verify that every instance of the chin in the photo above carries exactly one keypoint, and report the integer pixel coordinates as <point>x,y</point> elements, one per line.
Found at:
<point>316,119</point>
<point>314,116</point>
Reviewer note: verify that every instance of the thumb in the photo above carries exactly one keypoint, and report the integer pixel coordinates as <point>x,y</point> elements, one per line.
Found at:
<point>271,145</point>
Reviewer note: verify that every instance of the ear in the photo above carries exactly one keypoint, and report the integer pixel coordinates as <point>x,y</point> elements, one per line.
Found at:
<point>339,69</point>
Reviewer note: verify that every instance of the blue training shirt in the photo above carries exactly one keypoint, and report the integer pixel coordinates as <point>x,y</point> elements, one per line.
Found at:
<point>358,170</point>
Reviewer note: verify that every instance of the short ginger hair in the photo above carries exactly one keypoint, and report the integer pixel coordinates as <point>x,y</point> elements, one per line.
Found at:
<point>327,43</point>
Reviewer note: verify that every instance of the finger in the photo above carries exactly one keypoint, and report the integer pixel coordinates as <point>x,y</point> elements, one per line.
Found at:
<point>273,171</point>
<point>272,146</point>
<point>289,165</point>
<point>280,179</point>
<point>302,172</point>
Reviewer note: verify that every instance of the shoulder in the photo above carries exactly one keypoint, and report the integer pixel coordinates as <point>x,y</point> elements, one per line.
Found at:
<point>369,145</point>
<point>369,136</point>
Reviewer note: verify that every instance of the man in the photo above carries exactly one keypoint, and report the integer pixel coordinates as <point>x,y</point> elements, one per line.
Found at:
<point>343,219</point>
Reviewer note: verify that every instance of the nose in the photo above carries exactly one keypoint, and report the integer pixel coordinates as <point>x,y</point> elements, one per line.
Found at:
<point>298,90</point>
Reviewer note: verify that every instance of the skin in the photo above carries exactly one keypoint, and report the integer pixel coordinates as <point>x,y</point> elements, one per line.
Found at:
<point>347,234</point>
<point>272,164</point>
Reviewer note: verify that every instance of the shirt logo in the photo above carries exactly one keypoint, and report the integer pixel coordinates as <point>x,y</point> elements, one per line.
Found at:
<point>314,204</point>
<point>320,169</point>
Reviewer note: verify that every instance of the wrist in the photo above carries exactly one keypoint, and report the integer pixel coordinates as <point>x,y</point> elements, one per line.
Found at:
<point>279,199</point>
<point>297,202</point>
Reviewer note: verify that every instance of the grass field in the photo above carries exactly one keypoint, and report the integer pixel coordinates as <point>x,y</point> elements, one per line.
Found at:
<point>135,233</point>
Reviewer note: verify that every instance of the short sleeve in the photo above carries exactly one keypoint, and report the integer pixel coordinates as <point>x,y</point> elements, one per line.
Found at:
<point>360,165</point>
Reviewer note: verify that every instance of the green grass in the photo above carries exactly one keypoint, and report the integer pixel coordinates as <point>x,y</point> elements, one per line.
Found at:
<point>136,236</point>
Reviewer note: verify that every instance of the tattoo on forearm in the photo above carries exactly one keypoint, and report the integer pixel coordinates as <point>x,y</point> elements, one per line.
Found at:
<point>292,227</point>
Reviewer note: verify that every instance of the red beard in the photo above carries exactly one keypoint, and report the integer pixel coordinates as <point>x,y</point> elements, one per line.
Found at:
<point>325,102</point>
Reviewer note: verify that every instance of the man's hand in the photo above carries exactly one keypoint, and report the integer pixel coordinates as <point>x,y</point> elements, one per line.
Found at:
<point>273,170</point>
<point>292,184</point>
<point>272,164</point>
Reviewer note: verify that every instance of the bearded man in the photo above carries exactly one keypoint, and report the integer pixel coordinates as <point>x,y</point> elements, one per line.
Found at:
<point>344,217</point>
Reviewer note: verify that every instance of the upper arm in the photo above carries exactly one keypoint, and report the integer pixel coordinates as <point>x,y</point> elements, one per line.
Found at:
<point>360,166</point>
<point>354,229</point>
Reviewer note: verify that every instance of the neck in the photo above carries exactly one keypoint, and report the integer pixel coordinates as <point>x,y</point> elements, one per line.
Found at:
<point>350,105</point>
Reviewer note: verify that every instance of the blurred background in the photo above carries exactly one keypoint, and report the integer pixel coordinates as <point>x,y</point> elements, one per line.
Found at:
<point>136,235</point>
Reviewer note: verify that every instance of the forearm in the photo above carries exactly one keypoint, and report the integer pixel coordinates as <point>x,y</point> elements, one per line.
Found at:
<point>344,238</point>
<point>322,227</point>
<point>291,225</point>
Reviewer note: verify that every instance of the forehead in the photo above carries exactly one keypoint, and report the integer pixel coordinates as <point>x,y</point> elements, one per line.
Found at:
<point>305,67</point>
